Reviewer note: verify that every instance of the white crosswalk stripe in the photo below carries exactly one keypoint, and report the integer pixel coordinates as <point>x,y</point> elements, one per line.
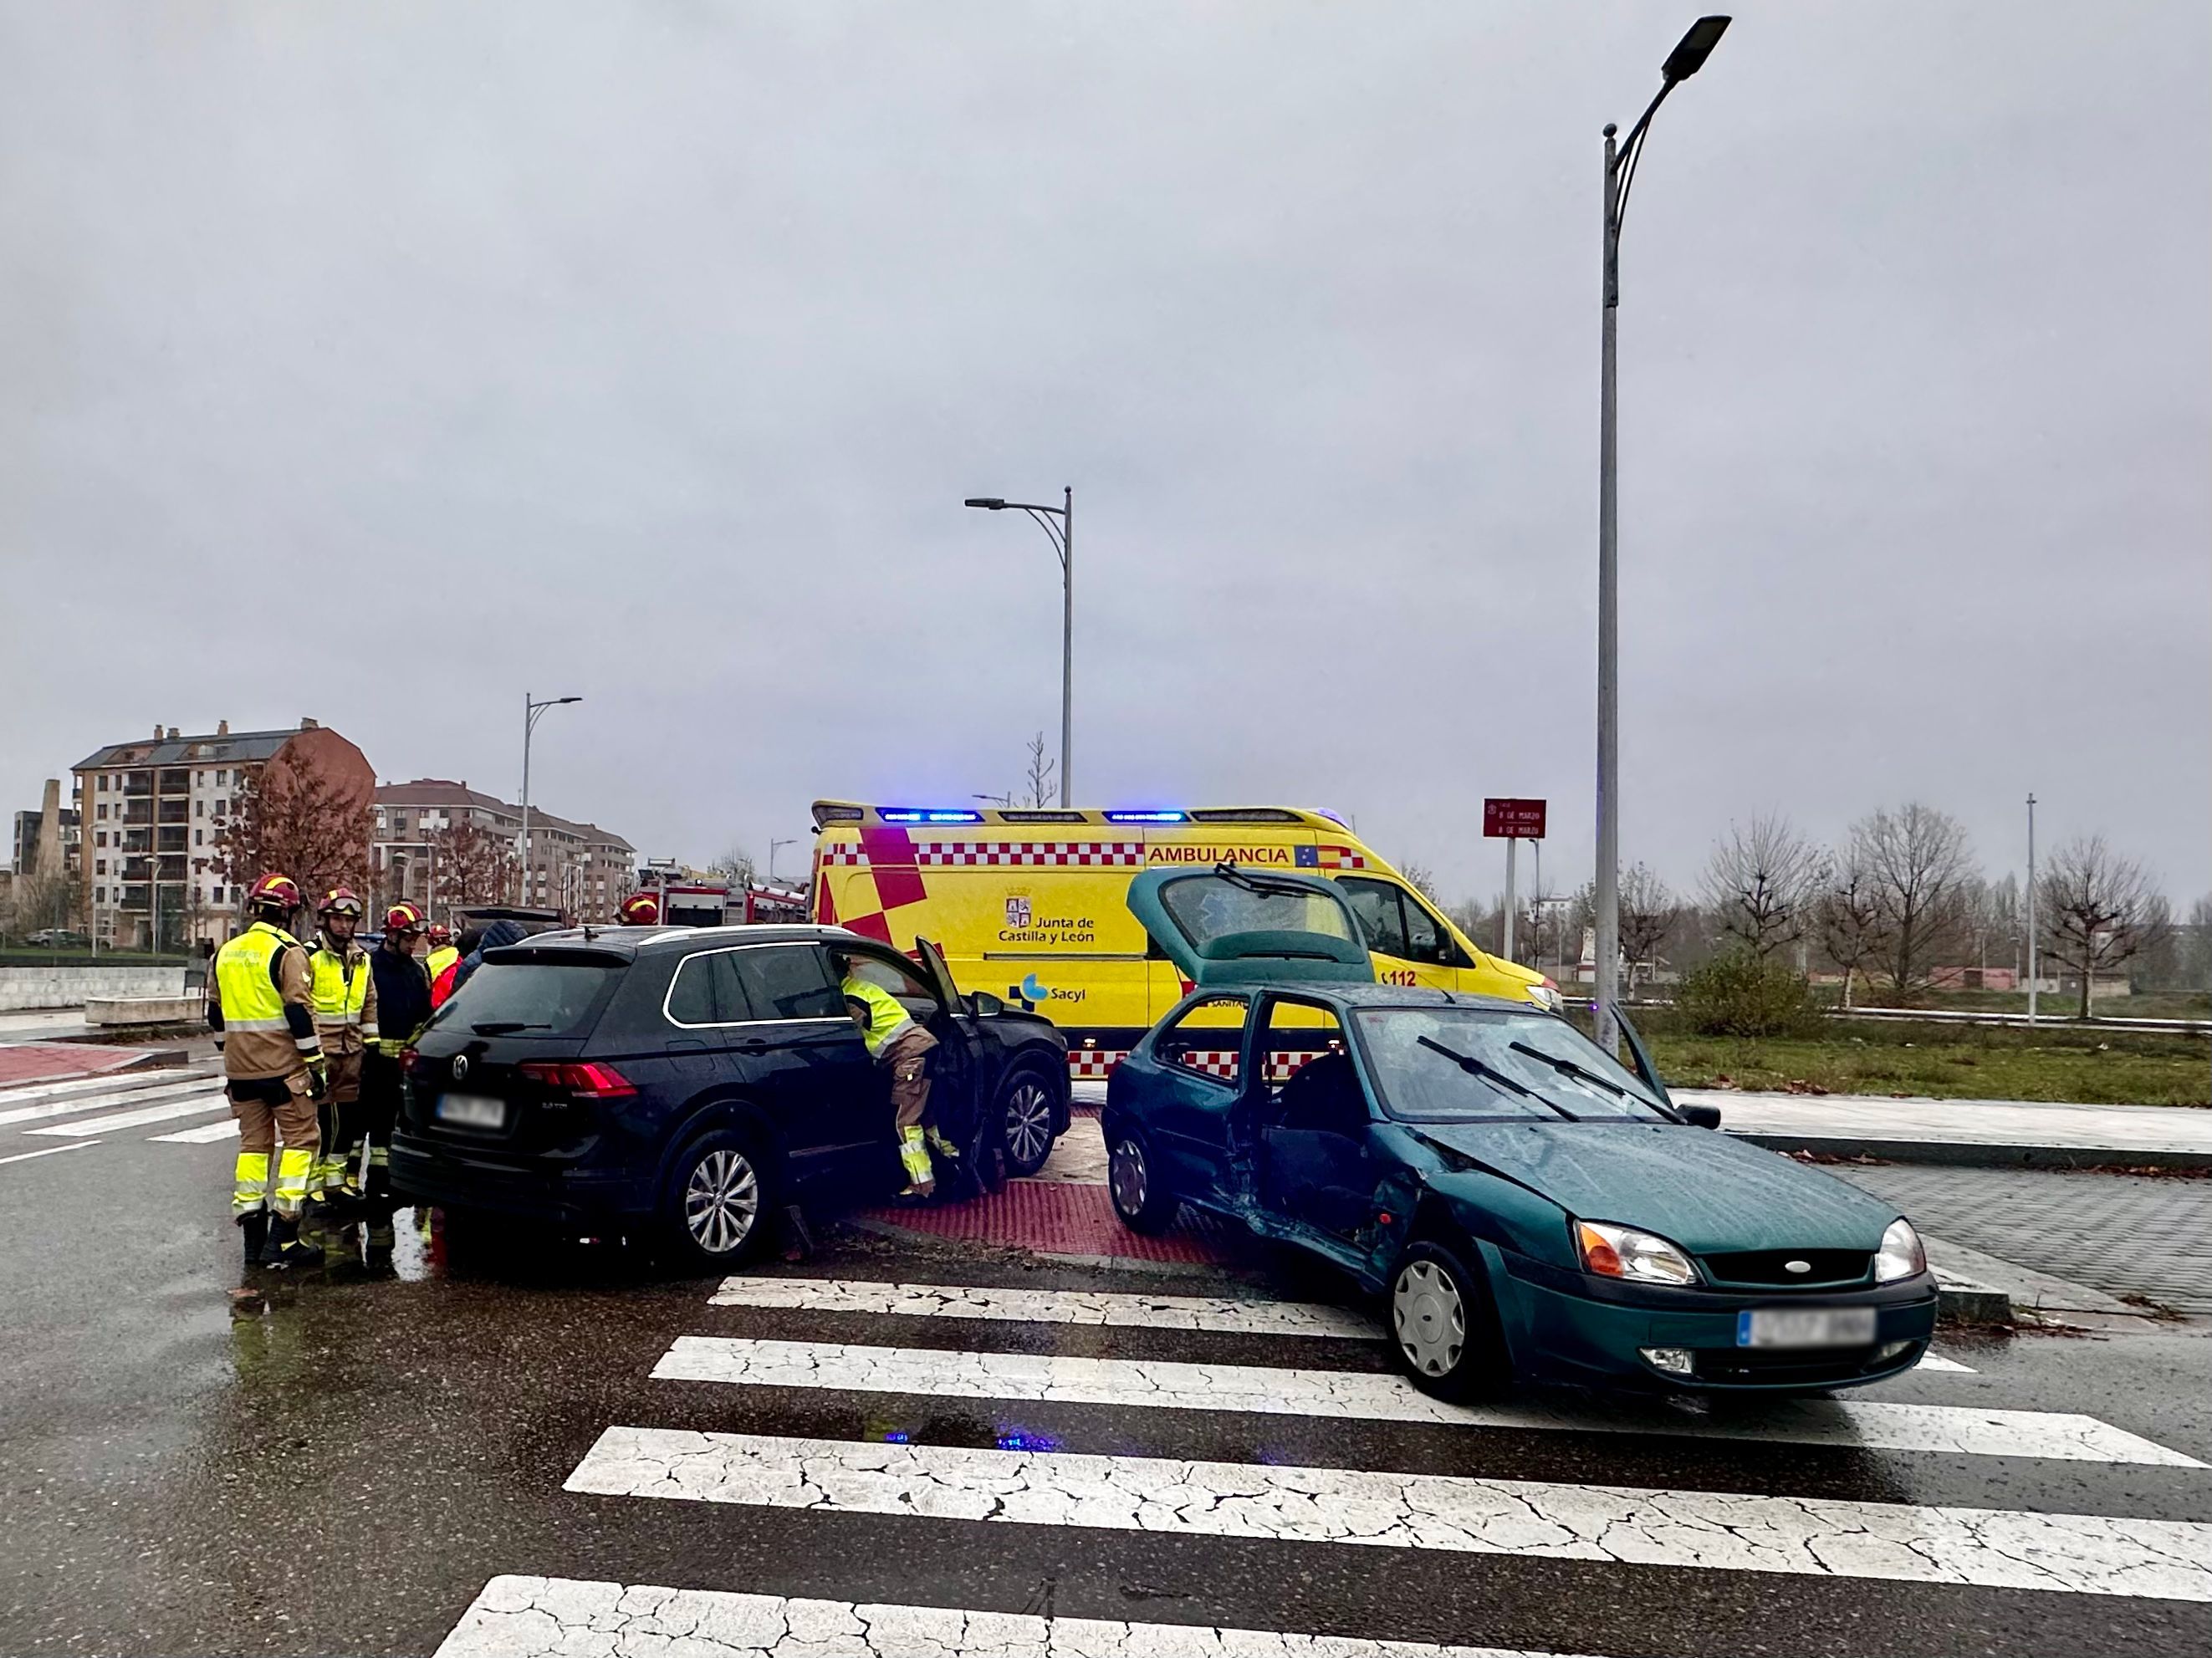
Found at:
<point>195,1104</point>
<point>1820,1537</point>
<point>1103,1308</point>
<point>205,1134</point>
<point>521,1615</point>
<point>1361,1395</point>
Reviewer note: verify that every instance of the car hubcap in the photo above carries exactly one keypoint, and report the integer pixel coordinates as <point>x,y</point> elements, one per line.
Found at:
<point>721,1200</point>
<point>1127,1175</point>
<point>1029,1122</point>
<point>1430,1316</point>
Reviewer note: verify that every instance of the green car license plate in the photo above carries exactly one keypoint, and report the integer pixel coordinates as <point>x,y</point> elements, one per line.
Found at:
<point>1805,1327</point>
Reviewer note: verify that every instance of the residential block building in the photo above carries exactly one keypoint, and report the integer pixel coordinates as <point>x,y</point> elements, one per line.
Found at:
<point>580,869</point>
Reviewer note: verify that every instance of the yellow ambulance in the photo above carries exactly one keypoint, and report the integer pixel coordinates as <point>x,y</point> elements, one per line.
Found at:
<point>1029,905</point>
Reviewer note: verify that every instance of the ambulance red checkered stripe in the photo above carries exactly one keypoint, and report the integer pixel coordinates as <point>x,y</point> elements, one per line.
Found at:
<point>1095,1062</point>
<point>1062,853</point>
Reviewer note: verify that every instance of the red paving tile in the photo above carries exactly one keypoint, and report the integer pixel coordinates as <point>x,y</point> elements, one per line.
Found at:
<point>1060,1219</point>
<point>44,1062</point>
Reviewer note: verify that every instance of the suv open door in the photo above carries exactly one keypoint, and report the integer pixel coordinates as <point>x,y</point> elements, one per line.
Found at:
<point>1229,926</point>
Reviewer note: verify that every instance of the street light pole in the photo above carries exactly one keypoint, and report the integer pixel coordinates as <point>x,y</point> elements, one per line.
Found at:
<point>2031,909</point>
<point>1062,537</point>
<point>772,845</point>
<point>533,712</point>
<point>1687,57</point>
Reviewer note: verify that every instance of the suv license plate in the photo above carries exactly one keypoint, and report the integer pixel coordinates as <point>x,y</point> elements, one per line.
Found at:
<point>1805,1327</point>
<point>476,1111</point>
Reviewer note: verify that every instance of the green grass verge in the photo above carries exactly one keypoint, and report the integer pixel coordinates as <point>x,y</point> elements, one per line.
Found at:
<point>2096,1067</point>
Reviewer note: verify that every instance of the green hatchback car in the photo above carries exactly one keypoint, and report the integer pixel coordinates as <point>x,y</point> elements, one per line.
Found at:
<point>1528,1207</point>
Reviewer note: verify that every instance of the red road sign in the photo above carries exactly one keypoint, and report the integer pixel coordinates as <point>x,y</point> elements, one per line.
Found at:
<point>1514,820</point>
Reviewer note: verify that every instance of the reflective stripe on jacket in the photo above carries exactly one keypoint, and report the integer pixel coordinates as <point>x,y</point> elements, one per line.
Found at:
<point>887,1019</point>
<point>261,999</point>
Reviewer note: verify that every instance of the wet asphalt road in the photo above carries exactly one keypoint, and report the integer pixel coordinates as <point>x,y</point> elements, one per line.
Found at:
<point>345,1472</point>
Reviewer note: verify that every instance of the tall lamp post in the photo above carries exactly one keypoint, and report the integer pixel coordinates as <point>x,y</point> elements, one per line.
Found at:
<point>533,712</point>
<point>773,844</point>
<point>1687,59</point>
<point>1063,543</point>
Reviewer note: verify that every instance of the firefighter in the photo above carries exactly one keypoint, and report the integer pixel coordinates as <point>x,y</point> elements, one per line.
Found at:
<point>641,909</point>
<point>345,1018</point>
<point>896,1041</point>
<point>442,954</point>
<point>261,1007</point>
<point>402,1003</point>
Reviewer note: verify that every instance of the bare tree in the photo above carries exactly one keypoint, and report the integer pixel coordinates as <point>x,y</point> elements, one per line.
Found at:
<point>1917,862</point>
<point>1649,910</point>
<point>2097,910</point>
<point>1762,881</point>
<point>1041,777</point>
<point>735,865</point>
<point>1421,878</point>
<point>1850,920</point>
<point>471,864</point>
<point>295,821</point>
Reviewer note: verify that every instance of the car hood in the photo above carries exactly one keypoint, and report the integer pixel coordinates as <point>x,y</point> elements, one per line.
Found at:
<point>1696,1186</point>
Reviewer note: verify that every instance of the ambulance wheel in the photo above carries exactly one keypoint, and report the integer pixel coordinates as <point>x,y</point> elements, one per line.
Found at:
<point>1140,1198</point>
<point>1025,1105</point>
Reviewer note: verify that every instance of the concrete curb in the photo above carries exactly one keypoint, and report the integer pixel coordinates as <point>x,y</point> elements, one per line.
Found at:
<point>1978,1154</point>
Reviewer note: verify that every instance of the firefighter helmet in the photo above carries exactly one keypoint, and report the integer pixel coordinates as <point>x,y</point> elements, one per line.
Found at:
<point>641,909</point>
<point>341,901</point>
<point>403,917</point>
<point>274,892</point>
<point>439,934</point>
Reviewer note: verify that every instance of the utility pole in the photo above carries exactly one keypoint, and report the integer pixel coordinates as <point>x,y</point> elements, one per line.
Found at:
<point>2031,969</point>
<point>1620,161</point>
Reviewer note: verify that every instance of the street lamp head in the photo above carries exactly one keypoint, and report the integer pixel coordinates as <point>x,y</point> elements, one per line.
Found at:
<point>568,699</point>
<point>988,503</point>
<point>1692,49</point>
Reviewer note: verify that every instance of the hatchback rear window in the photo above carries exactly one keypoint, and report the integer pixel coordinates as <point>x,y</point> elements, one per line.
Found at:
<point>546,999</point>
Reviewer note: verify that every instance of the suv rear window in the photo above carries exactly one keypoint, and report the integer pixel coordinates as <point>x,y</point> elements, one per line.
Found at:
<point>546,999</point>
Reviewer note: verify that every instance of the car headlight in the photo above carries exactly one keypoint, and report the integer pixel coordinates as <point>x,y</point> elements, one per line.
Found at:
<point>1901,1254</point>
<point>1613,1251</point>
<point>1546,996</point>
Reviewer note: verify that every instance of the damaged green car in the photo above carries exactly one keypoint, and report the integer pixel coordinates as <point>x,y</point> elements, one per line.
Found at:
<point>1529,1207</point>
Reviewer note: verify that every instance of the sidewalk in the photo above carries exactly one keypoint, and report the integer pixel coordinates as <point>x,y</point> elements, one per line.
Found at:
<point>1981,1133</point>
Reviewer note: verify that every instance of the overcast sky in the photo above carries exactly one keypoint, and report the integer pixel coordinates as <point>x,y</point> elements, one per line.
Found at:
<point>378,363</point>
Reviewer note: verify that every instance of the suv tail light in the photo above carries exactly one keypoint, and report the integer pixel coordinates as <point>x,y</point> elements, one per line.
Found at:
<point>585,1079</point>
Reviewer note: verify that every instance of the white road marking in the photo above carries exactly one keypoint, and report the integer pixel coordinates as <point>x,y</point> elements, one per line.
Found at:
<point>2085,1554</point>
<point>1938,1363</point>
<point>171,1089</point>
<point>115,1081</point>
<point>205,1134</point>
<point>1357,1396</point>
<point>1274,1317</point>
<point>571,1618</point>
<point>213,1100</point>
<point>49,1150</point>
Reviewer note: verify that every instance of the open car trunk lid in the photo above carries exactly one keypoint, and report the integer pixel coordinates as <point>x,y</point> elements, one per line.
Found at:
<point>1229,926</point>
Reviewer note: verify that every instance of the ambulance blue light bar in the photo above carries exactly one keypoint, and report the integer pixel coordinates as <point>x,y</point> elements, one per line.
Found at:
<point>1146,817</point>
<point>908,815</point>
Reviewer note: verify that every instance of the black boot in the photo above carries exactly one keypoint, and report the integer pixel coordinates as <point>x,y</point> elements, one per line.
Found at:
<point>285,1248</point>
<point>253,1229</point>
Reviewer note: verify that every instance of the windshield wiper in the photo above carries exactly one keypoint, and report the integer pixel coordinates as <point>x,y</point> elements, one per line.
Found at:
<point>506,1027</point>
<point>1567,1067</point>
<point>1493,1076</point>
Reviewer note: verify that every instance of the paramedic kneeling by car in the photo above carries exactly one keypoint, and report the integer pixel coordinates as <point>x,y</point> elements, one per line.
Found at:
<point>893,1039</point>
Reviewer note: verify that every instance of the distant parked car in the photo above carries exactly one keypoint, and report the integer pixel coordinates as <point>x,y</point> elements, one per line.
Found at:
<point>1525,1205</point>
<point>56,937</point>
<point>695,1080</point>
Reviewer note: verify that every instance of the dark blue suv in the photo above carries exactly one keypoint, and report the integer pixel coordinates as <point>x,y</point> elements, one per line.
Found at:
<point>696,1080</point>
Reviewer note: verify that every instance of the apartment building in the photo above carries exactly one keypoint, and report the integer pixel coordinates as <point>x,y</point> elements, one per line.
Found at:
<point>580,869</point>
<point>148,814</point>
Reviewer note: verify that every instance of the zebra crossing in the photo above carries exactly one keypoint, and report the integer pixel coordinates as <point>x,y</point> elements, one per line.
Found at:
<point>1080,1432</point>
<point>94,1111</point>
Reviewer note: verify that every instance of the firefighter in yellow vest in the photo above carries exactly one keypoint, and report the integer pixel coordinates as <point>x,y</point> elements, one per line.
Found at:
<point>895,1041</point>
<point>345,1018</point>
<point>261,1006</point>
<point>442,954</point>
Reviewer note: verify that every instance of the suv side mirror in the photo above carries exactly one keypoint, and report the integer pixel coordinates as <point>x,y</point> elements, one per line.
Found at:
<point>984,1006</point>
<point>1699,1116</point>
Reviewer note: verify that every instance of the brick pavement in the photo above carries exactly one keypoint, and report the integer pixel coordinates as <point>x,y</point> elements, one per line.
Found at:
<point>2122,1234</point>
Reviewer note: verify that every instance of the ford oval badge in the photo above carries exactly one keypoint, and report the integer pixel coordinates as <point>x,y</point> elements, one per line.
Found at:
<point>1786,1266</point>
<point>461,1070</point>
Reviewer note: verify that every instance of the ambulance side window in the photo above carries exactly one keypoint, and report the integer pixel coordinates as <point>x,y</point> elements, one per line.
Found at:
<point>1376,904</point>
<point>1425,942</point>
